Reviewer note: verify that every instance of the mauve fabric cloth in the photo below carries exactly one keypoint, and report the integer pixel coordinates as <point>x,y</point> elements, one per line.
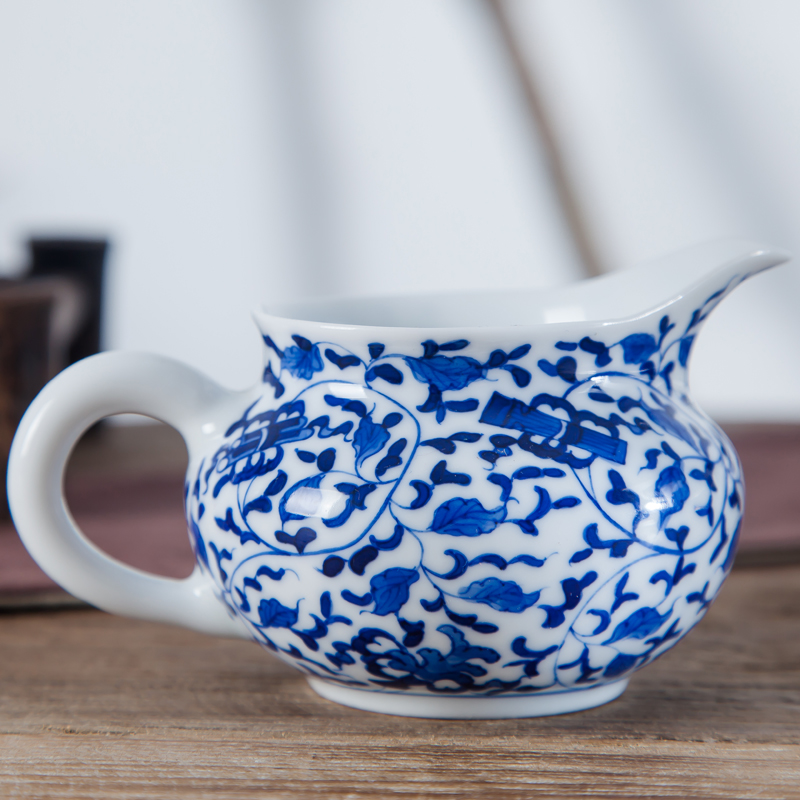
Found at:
<point>137,520</point>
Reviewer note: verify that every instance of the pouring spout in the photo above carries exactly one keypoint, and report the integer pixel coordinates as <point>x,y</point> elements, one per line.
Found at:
<point>698,277</point>
<point>695,280</point>
<point>691,284</point>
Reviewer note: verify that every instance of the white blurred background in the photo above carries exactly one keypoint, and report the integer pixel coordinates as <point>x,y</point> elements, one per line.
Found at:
<point>235,150</point>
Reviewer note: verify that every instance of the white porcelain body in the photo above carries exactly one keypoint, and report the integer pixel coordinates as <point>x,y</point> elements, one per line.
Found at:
<point>482,507</point>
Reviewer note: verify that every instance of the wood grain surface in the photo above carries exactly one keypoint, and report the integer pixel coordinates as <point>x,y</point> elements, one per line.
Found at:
<point>94,706</point>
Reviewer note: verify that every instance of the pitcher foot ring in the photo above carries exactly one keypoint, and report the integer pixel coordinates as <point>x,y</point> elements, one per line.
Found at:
<point>458,707</point>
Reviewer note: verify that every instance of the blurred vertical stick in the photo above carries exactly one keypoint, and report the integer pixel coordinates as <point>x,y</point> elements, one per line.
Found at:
<point>565,192</point>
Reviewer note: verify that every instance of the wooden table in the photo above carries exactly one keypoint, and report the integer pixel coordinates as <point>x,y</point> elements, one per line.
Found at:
<point>93,706</point>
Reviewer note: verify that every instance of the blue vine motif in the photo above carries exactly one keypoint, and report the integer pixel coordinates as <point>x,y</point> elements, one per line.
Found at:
<point>457,520</point>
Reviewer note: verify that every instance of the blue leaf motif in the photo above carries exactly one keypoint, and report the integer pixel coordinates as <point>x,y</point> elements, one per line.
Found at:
<point>325,605</point>
<point>302,342</point>
<point>311,483</point>
<point>392,459</point>
<point>679,536</point>
<point>439,475</point>
<point>499,595</point>
<point>302,363</point>
<point>431,348</point>
<point>671,488</point>
<point>461,406</point>
<point>415,631</point>
<point>665,374</point>
<point>343,362</point>
<point>299,541</point>
<point>356,600</point>
<point>542,509</point>
<point>387,463</point>
<point>390,589</point>
<point>392,543</point>
<point>229,524</point>
<point>573,591</point>
<point>332,566</point>
<point>354,406</point>
<point>369,438</point>
<point>326,459</point>
<point>458,568</point>
<point>442,445</point>
<point>566,502</point>
<point>504,483</point>
<point>546,367</point>
<point>269,377</point>
<point>356,499</point>
<point>521,376</point>
<point>600,397</point>
<point>620,595</point>
<point>605,620</point>
<point>275,615</point>
<point>460,517</point>
<point>597,349</point>
<point>199,544</point>
<point>361,558</point>
<point>565,368</point>
<point>456,344</point>
<point>269,343</point>
<point>581,555</point>
<point>621,663</point>
<point>385,371</point>
<point>638,347</point>
<point>490,558</point>
<point>685,349</point>
<point>446,372</point>
<point>652,459</point>
<point>618,547</point>
<point>423,494</point>
<point>639,625</point>
<point>433,605</point>
<point>620,494</point>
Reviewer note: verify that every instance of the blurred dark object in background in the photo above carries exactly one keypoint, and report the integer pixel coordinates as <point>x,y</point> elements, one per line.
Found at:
<point>24,362</point>
<point>26,354</point>
<point>82,261</point>
<point>770,455</point>
<point>49,318</point>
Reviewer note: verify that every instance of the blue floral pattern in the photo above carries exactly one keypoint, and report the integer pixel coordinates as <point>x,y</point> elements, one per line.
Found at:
<point>568,517</point>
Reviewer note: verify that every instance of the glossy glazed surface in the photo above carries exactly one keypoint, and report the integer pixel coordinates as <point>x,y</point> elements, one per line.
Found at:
<point>500,512</point>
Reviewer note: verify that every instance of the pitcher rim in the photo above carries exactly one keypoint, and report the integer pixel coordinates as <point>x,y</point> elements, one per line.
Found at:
<point>729,259</point>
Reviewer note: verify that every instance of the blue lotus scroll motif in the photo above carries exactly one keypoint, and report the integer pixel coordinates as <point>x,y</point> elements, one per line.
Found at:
<point>390,589</point>
<point>404,513</point>
<point>466,517</point>
<point>500,595</point>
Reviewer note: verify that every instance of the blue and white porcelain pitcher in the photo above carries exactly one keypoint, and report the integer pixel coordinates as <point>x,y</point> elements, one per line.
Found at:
<point>487,505</point>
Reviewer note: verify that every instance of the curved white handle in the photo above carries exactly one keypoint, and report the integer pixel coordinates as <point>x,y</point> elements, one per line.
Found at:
<point>110,383</point>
